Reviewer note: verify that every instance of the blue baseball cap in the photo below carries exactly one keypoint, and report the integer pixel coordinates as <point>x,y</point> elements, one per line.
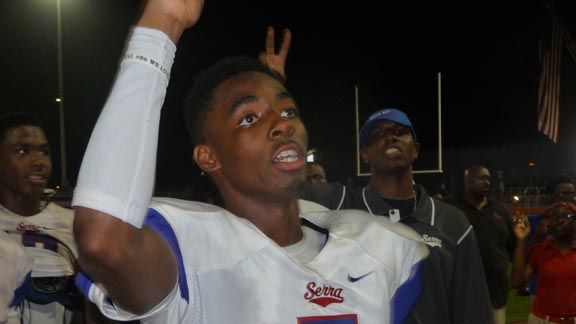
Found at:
<point>390,114</point>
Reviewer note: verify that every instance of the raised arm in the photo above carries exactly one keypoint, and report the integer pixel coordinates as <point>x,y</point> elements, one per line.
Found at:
<point>276,61</point>
<point>521,271</point>
<point>171,17</point>
<point>115,184</point>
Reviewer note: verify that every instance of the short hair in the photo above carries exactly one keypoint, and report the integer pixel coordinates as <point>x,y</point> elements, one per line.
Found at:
<point>15,119</point>
<point>474,168</point>
<point>557,204</point>
<point>201,96</point>
<point>556,180</point>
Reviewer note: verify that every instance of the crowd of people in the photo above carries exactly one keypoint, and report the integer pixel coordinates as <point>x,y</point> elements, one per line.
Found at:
<point>271,239</point>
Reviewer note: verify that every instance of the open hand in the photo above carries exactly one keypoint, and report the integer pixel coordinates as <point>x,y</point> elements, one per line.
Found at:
<point>521,226</point>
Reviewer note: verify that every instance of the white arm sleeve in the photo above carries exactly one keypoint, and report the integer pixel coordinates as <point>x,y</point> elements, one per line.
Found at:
<point>118,170</point>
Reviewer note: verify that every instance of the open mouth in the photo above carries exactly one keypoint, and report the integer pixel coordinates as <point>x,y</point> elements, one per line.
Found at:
<point>392,152</point>
<point>287,156</point>
<point>37,180</point>
<point>289,159</point>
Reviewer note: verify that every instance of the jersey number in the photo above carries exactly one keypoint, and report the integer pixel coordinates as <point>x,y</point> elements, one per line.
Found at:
<point>338,319</point>
<point>40,241</point>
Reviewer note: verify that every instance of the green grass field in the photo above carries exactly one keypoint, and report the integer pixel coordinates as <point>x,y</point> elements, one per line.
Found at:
<point>518,308</point>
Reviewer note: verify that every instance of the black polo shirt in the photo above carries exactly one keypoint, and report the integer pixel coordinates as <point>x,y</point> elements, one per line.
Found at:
<point>493,227</point>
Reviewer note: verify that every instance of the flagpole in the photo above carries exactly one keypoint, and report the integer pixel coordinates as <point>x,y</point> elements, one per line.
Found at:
<point>440,122</point>
<point>570,43</point>
<point>60,99</point>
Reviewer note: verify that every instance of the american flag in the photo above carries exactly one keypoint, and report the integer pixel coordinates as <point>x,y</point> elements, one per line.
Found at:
<point>549,84</point>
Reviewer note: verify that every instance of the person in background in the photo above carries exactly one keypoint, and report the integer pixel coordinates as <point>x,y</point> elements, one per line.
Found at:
<point>553,262</point>
<point>316,173</point>
<point>454,269</point>
<point>44,230</point>
<point>561,187</point>
<point>25,168</point>
<point>493,227</point>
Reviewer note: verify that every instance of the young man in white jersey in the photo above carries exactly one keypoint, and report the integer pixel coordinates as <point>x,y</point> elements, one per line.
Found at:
<point>25,167</point>
<point>256,261</point>
<point>48,295</point>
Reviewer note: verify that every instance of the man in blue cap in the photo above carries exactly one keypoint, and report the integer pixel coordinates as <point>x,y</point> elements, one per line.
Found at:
<point>453,285</point>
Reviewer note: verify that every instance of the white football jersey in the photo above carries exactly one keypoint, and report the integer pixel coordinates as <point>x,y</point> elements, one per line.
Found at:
<point>49,240</point>
<point>48,236</point>
<point>230,272</point>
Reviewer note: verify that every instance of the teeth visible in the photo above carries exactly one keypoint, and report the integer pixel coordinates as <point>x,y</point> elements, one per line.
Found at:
<point>35,177</point>
<point>392,150</point>
<point>290,159</point>
<point>287,156</point>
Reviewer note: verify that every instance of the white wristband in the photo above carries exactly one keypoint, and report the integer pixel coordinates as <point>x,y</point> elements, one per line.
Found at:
<point>141,58</point>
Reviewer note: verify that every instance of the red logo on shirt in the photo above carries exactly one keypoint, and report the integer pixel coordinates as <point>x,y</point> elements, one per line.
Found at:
<point>497,217</point>
<point>323,295</point>
<point>23,227</point>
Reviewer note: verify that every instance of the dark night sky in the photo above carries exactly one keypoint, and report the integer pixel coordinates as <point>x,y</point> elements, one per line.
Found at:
<point>487,55</point>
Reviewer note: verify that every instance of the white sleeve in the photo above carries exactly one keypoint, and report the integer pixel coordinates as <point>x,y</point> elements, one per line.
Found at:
<point>117,173</point>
